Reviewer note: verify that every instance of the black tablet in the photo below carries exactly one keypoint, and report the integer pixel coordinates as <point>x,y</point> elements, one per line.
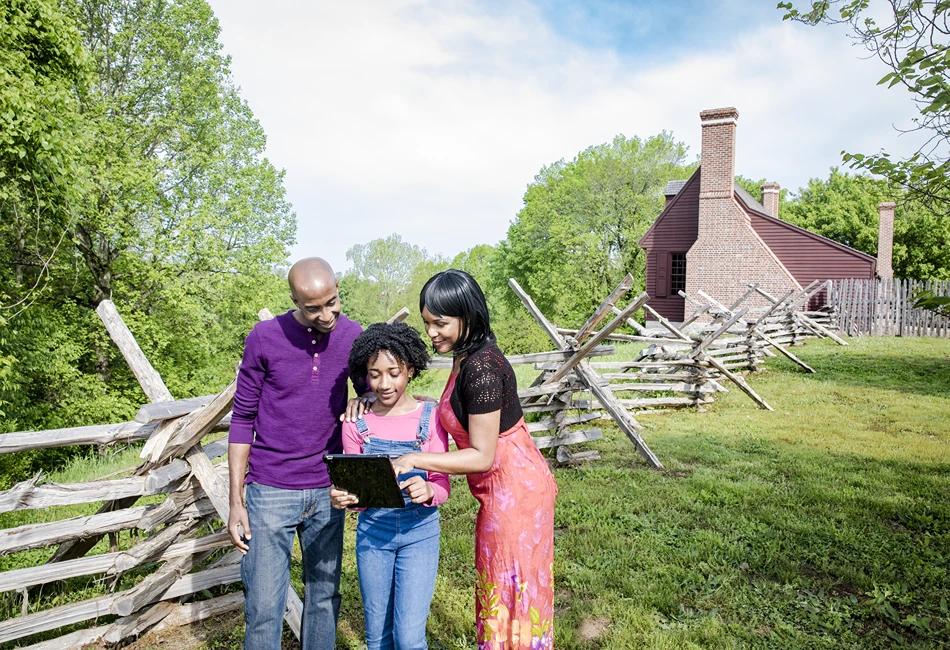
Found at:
<point>368,476</point>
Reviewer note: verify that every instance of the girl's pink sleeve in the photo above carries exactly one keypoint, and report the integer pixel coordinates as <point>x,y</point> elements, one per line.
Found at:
<point>352,444</point>
<point>438,443</point>
<point>352,440</point>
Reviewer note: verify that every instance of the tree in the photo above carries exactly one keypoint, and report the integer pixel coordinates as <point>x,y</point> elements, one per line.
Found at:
<point>132,169</point>
<point>42,61</point>
<point>385,266</point>
<point>910,38</point>
<point>179,184</point>
<point>387,275</point>
<point>578,232</point>
<point>843,207</point>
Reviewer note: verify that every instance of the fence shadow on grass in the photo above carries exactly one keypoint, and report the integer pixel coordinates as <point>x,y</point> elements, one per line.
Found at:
<point>914,370</point>
<point>799,544</point>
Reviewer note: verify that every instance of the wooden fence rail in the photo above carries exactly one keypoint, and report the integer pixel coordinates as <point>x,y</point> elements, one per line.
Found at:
<point>171,543</point>
<point>885,308</point>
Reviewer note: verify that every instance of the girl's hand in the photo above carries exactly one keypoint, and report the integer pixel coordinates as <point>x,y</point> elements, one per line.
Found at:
<point>356,407</point>
<point>341,499</point>
<point>417,489</point>
<point>403,464</point>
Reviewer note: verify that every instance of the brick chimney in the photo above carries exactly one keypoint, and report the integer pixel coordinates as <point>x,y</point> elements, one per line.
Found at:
<point>718,153</point>
<point>885,240</point>
<point>728,254</point>
<point>770,193</point>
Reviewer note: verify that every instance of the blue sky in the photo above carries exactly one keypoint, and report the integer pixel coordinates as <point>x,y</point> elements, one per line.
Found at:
<point>428,118</point>
<point>653,31</point>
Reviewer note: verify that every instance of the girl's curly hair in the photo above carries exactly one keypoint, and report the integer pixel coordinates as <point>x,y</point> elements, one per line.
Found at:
<point>401,341</point>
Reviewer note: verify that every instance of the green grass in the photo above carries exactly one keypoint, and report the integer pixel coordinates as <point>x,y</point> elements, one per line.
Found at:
<point>823,524</point>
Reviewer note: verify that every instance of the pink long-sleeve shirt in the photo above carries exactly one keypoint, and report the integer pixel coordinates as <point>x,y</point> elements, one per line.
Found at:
<point>403,427</point>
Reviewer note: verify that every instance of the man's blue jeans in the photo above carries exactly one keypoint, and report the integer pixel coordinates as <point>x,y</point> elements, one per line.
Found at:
<point>275,517</point>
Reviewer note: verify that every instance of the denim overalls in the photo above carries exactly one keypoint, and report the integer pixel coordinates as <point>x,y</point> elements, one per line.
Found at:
<point>397,554</point>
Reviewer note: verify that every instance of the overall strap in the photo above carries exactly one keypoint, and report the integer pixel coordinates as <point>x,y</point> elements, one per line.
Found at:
<point>362,427</point>
<point>423,434</point>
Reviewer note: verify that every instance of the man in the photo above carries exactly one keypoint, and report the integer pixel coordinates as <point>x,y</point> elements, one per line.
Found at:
<point>291,391</point>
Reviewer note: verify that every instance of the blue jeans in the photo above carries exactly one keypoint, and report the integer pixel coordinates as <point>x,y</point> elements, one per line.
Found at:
<point>397,555</point>
<point>275,517</point>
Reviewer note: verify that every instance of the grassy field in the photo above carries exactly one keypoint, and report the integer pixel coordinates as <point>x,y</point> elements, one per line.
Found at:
<point>823,524</point>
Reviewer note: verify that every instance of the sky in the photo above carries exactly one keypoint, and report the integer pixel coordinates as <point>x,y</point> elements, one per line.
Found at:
<point>429,118</point>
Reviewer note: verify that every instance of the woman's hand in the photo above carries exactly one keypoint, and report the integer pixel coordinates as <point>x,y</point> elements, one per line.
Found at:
<point>341,499</point>
<point>356,407</point>
<point>417,489</point>
<point>403,464</point>
<point>425,398</point>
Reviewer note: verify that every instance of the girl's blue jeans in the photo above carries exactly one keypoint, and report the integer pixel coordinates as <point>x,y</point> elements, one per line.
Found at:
<point>397,554</point>
<point>276,516</point>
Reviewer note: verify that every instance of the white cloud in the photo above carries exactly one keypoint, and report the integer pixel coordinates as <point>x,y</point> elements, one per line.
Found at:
<point>428,119</point>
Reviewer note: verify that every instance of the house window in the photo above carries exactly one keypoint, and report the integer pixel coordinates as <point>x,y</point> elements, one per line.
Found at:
<point>677,273</point>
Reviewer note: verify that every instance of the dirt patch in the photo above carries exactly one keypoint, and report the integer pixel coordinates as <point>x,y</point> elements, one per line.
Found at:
<point>593,628</point>
<point>225,631</point>
<point>684,472</point>
<point>560,602</point>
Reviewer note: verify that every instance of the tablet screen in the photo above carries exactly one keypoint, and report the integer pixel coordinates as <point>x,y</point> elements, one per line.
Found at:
<point>368,476</point>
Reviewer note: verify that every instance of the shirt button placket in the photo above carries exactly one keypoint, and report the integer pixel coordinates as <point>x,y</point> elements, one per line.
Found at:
<point>315,375</point>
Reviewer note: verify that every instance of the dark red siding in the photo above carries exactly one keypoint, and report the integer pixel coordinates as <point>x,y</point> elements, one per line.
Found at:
<point>674,231</point>
<point>810,257</point>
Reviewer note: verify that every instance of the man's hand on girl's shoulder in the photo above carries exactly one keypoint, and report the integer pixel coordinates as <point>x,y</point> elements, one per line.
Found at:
<point>356,406</point>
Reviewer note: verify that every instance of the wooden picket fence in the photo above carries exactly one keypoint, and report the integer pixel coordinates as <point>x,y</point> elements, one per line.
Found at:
<point>885,308</point>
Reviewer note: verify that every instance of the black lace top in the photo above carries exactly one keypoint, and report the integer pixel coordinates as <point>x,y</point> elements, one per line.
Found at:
<point>486,383</point>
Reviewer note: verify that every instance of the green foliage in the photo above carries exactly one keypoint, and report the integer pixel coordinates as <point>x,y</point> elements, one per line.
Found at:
<point>179,182</point>
<point>823,524</point>
<point>516,331</point>
<point>578,232</point>
<point>130,169</point>
<point>937,304</point>
<point>910,38</point>
<point>755,189</point>
<point>843,207</point>
<point>387,275</point>
<point>41,136</point>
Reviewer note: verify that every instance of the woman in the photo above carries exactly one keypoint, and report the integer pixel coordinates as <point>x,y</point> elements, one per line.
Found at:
<point>514,533</point>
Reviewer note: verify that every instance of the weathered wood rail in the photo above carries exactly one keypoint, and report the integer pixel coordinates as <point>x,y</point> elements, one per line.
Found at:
<point>178,548</point>
<point>180,538</point>
<point>178,545</point>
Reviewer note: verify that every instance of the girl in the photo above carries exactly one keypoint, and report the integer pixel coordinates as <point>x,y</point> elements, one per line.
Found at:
<point>514,532</point>
<point>397,550</point>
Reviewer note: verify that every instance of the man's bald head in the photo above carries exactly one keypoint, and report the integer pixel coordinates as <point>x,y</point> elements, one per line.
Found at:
<point>313,288</point>
<point>309,273</point>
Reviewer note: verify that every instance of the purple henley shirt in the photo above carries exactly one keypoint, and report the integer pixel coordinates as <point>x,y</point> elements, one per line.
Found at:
<point>291,390</point>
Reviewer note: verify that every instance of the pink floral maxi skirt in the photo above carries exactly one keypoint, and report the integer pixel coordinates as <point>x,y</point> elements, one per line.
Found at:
<point>514,539</point>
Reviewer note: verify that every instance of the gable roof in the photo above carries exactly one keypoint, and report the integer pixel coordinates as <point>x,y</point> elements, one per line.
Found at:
<point>751,205</point>
<point>672,188</point>
<point>678,185</point>
<point>748,202</point>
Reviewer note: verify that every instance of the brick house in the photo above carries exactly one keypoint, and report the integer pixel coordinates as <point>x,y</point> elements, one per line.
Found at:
<point>713,235</point>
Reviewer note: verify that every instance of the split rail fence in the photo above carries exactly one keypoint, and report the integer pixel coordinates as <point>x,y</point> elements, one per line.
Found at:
<point>885,308</point>
<point>178,547</point>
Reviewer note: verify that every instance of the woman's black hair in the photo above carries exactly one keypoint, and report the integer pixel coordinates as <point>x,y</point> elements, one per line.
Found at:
<point>401,341</point>
<point>455,293</point>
